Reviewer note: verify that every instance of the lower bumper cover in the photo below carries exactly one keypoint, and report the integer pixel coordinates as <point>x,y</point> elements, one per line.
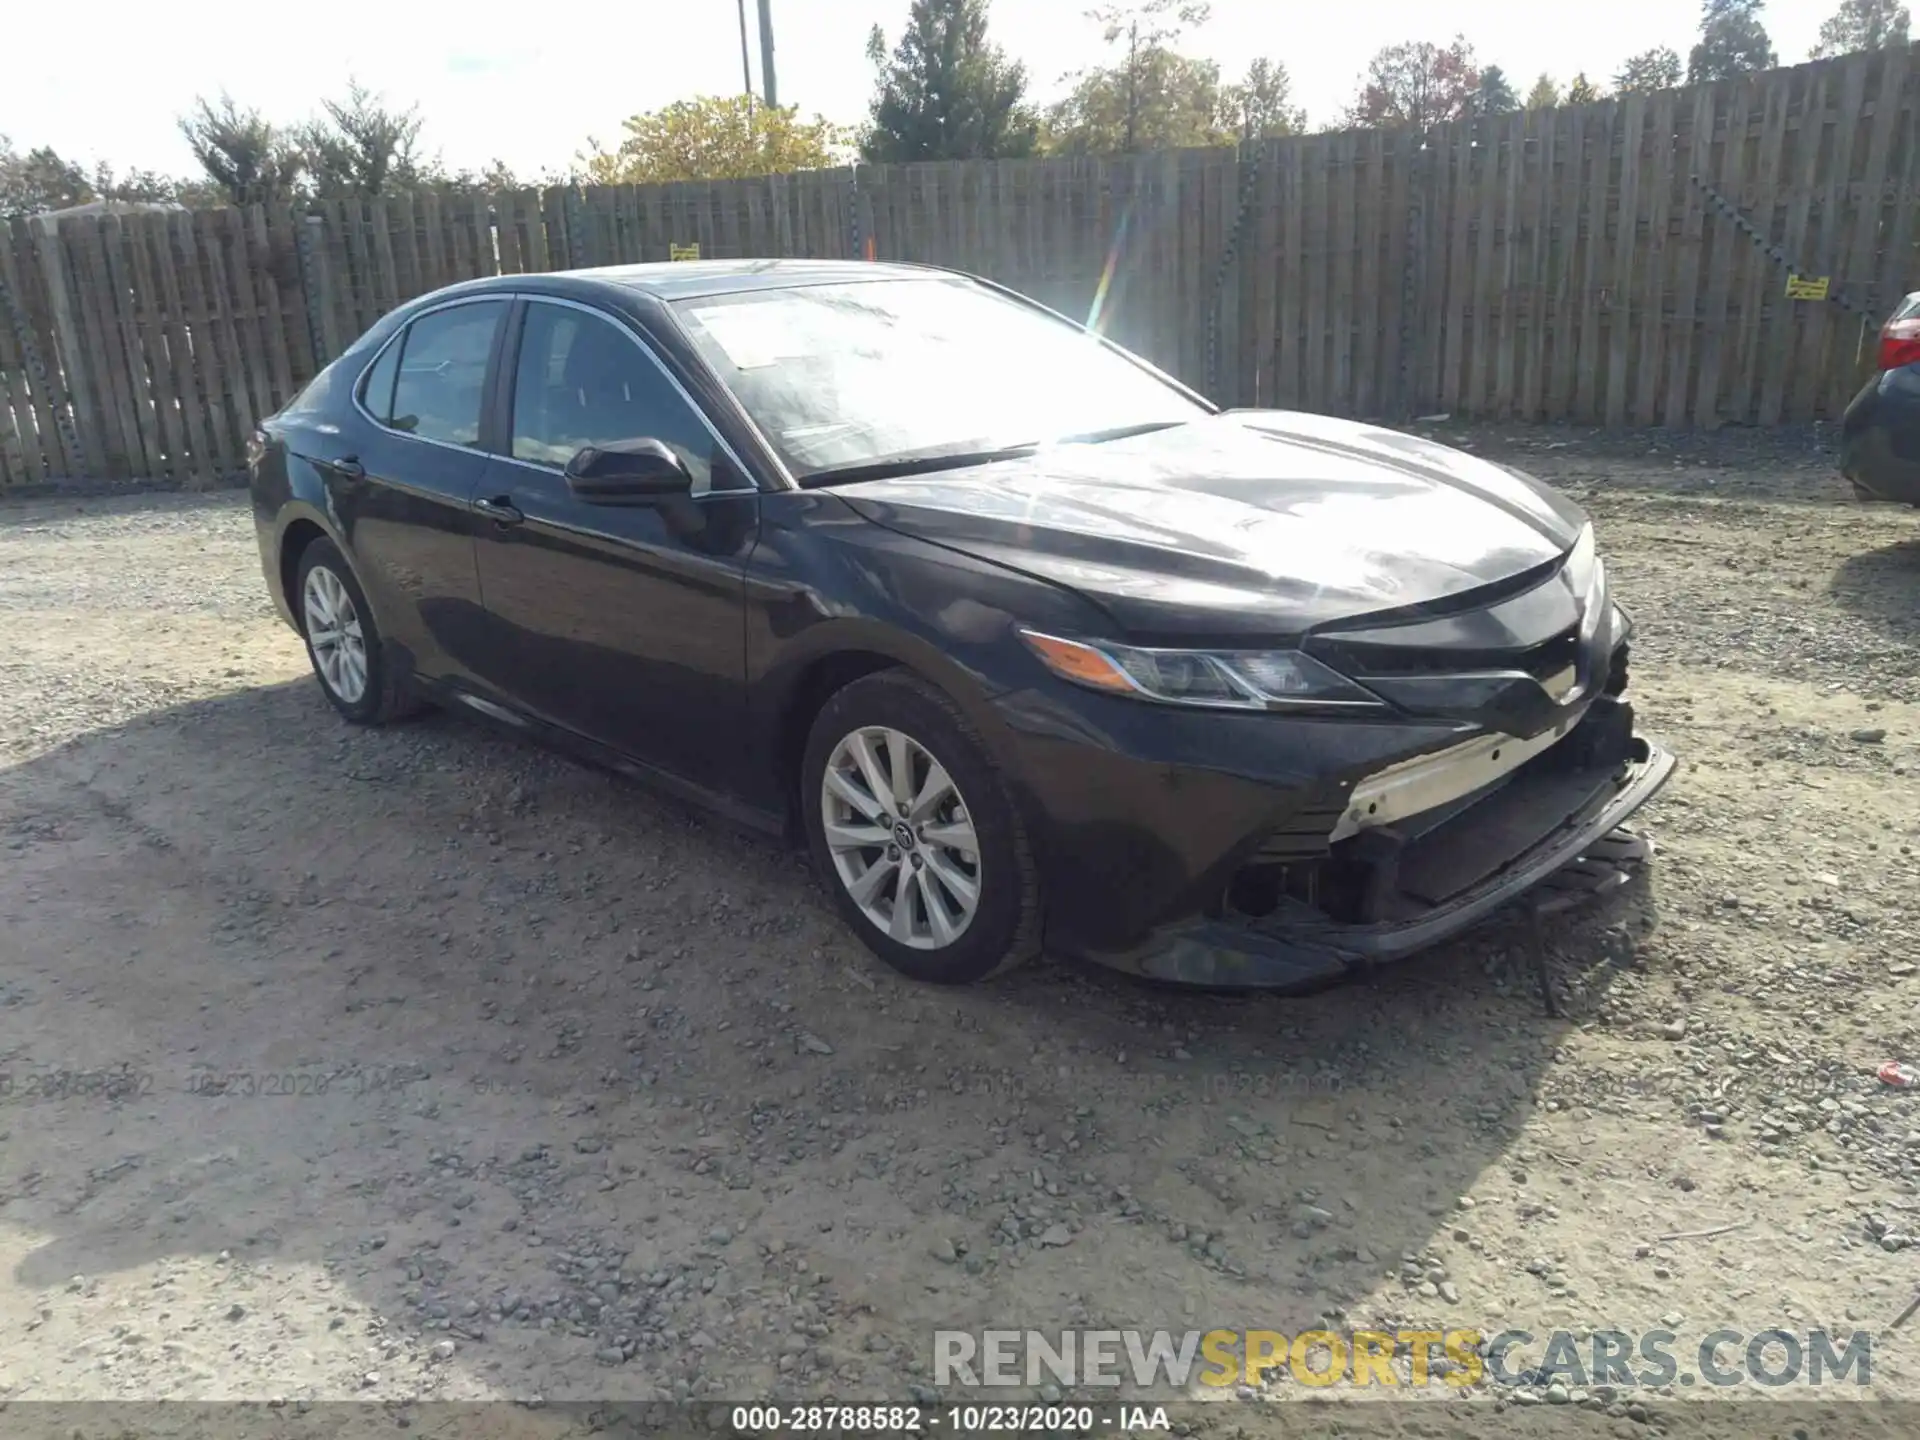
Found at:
<point>1285,951</point>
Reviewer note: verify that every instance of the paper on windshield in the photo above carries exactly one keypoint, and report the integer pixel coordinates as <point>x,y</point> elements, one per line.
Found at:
<point>755,334</point>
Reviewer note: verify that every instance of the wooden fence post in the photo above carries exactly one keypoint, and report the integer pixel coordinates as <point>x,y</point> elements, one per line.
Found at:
<point>70,354</point>
<point>317,290</point>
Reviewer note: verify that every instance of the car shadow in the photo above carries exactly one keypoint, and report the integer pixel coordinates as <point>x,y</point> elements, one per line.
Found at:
<point>1883,586</point>
<point>291,1002</point>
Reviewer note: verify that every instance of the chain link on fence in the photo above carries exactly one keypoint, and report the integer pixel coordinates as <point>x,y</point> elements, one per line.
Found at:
<point>38,376</point>
<point>1779,256</point>
<point>1246,171</point>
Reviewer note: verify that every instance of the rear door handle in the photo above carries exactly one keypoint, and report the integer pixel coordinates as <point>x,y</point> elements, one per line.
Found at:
<point>347,467</point>
<point>500,510</point>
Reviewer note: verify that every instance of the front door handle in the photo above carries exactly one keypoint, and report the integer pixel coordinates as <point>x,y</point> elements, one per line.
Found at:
<point>500,510</point>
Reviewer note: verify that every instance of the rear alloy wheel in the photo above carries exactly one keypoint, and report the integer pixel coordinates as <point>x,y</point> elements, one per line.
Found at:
<point>342,641</point>
<point>911,827</point>
<point>334,631</point>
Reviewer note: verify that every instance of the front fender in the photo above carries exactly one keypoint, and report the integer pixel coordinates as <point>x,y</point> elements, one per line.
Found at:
<point>830,594</point>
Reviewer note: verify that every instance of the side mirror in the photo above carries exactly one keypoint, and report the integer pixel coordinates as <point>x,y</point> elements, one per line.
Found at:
<point>627,472</point>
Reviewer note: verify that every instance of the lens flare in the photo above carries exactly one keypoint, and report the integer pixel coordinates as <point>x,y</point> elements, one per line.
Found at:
<point>1107,271</point>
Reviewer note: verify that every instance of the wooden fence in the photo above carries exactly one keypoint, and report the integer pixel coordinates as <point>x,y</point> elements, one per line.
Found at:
<point>1623,263</point>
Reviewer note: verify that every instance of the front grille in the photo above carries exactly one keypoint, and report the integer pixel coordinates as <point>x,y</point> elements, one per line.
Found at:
<point>1542,661</point>
<point>1304,835</point>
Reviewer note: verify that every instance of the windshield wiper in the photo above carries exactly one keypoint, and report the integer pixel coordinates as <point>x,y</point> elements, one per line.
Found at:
<point>913,465</point>
<point>962,459</point>
<point>1120,432</point>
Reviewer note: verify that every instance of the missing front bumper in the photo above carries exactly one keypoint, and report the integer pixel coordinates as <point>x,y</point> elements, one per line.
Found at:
<point>1569,854</point>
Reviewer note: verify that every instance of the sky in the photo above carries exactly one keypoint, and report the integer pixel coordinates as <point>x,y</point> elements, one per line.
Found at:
<point>530,85</point>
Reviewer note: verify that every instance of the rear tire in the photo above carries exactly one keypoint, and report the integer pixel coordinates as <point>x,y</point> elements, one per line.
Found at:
<point>349,658</point>
<point>912,829</point>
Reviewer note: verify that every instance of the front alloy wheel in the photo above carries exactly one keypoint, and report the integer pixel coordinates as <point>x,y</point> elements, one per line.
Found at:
<point>900,836</point>
<point>913,830</point>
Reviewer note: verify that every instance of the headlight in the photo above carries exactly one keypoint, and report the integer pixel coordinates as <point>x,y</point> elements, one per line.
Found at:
<point>1587,578</point>
<point>1583,563</point>
<point>1230,679</point>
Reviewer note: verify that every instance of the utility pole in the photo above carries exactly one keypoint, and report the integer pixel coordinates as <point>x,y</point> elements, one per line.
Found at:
<point>771,91</point>
<point>746,67</point>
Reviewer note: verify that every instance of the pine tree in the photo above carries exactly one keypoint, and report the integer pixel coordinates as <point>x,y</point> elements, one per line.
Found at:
<point>1732,41</point>
<point>1494,94</point>
<point>947,92</point>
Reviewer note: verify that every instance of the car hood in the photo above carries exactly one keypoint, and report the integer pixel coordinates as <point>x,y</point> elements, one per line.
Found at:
<point>1245,524</point>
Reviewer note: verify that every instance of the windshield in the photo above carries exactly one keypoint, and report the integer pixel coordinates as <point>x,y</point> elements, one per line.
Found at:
<point>852,377</point>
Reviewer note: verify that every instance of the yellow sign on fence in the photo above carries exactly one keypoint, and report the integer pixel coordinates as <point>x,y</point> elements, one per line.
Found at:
<point>690,252</point>
<point>1807,287</point>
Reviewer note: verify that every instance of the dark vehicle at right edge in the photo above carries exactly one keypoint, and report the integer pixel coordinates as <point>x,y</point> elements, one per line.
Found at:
<point>1880,435</point>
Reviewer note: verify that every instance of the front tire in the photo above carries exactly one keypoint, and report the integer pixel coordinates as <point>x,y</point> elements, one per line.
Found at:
<point>912,829</point>
<point>344,645</point>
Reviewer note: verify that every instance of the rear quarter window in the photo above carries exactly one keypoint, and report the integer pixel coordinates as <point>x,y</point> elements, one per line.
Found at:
<point>376,390</point>
<point>443,357</point>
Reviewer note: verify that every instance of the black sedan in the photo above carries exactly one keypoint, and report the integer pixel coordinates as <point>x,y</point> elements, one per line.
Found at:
<point>1024,640</point>
<point>1880,435</point>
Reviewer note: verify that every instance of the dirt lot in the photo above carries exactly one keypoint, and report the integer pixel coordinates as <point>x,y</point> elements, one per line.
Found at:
<point>448,1068</point>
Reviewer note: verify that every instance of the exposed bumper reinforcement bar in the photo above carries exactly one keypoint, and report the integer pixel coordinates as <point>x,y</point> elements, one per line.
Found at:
<point>1285,952</point>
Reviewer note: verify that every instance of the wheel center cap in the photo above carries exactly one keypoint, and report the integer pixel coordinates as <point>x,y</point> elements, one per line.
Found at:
<point>903,835</point>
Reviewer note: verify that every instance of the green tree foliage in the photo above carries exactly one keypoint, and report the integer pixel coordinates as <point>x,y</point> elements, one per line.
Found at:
<point>1582,91</point>
<point>1545,93</point>
<point>1417,83</point>
<point>1148,72</point>
<point>39,180</point>
<point>947,92</point>
<point>149,187</point>
<point>245,157</point>
<point>1493,95</point>
<point>1160,101</point>
<point>1863,25</point>
<point>497,175</point>
<point>361,146</point>
<point>1732,41</point>
<point>714,137</point>
<point>42,180</point>
<point>1655,69</point>
<point>1261,105</point>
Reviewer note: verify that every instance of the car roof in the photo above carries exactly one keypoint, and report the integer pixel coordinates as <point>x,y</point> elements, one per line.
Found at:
<point>687,279</point>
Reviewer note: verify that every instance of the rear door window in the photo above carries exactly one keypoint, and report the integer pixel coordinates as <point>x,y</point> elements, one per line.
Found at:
<point>439,388</point>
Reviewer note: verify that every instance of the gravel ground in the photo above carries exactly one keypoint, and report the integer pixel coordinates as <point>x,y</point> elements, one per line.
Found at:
<point>418,1063</point>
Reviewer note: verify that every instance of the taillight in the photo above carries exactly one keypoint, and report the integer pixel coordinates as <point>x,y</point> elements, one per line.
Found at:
<point>1900,336</point>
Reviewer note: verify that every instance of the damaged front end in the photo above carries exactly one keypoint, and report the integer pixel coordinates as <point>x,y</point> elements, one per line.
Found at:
<point>1376,869</point>
<point>1304,909</point>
